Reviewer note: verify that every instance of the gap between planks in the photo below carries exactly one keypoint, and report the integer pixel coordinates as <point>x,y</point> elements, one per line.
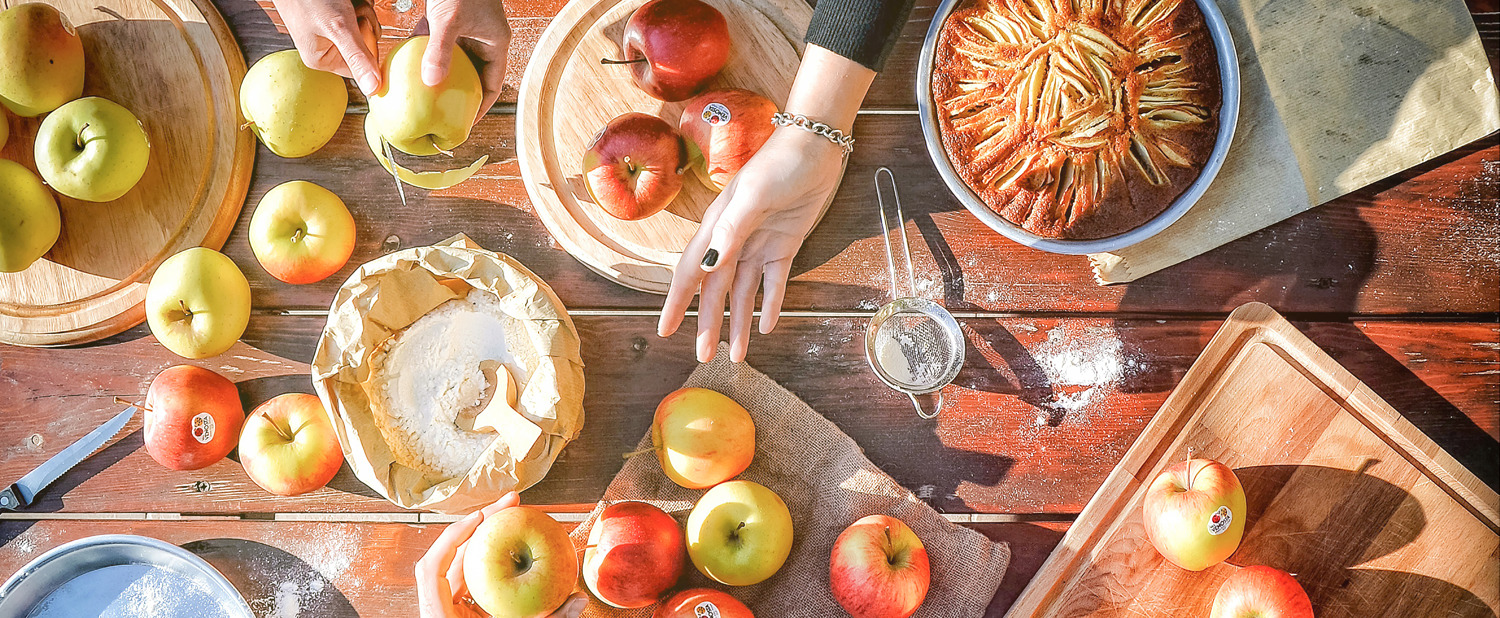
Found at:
<point>438,518</point>
<point>1033,315</point>
<point>509,109</point>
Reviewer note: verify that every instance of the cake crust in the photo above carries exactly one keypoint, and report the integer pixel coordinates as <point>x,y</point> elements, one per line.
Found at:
<point>1077,119</point>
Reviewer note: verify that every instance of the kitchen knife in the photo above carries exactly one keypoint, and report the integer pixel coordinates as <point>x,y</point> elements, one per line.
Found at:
<point>24,491</point>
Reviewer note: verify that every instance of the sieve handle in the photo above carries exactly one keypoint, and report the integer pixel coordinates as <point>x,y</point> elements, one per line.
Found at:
<point>935,409</point>
<point>885,231</point>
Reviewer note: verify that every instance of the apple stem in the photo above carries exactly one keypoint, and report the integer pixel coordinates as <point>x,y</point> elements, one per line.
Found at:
<point>247,125</point>
<point>640,452</point>
<point>185,309</point>
<point>297,235</point>
<point>81,129</point>
<point>1190,466</point>
<point>613,61</point>
<point>628,164</point>
<point>140,405</point>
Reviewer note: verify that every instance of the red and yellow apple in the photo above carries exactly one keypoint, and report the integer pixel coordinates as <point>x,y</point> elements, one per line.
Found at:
<point>301,232</point>
<point>634,167</point>
<point>288,446</point>
<point>702,437</point>
<point>193,417</point>
<point>520,563</point>
<point>198,303</point>
<point>739,533</point>
<point>1194,513</point>
<point>879,569</point>
<point>725,128</point>
<point>635,554</point>
<point>41,59</point>
<point>675,47</point>
<point>700,602</point>
<point>1261,592</point>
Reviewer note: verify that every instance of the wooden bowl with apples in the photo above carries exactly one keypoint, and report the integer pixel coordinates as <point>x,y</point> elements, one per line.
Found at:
<point>633,114</point>
<point>127,109</point>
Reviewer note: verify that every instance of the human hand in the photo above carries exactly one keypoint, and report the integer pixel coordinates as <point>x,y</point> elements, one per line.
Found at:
<point>750,234</point>
<point>480,28</point>
<point>337,36</point>
<point>441,592</point>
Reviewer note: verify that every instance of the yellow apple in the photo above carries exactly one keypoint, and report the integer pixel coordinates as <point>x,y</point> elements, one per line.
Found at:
<point>4,127</point>
<point>422,120</point>
<point>739,533</point>
<point>294,110</point>
<point>198,303</point>
<point>41,59</point>
<point>520,564</point>
<point>702,437</point>
<point>92,149</point>
<point>288,446</point>
<point>29,219</point>
<point>301,232</point>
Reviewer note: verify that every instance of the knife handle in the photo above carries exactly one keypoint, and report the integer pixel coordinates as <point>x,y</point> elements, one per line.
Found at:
<point>10,498</point>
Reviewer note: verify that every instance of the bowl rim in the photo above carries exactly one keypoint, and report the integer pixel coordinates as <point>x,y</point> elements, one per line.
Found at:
<point>1229,112</point>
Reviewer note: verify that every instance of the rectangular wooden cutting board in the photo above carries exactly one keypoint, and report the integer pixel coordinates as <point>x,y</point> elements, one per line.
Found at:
<point>1371,516</point>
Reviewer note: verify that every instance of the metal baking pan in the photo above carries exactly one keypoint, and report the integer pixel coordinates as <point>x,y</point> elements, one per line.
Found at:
<point>1229,113</point>
<point>119,576</point>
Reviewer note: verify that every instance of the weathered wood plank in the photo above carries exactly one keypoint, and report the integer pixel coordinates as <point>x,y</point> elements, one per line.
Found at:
<point>1042,411</point>
<point>341,570</point>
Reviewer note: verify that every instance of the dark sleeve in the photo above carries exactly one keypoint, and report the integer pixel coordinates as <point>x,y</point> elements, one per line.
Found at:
<point>861,30</point>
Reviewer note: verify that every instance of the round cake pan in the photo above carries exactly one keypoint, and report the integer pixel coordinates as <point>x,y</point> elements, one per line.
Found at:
<point>120,575</point>
<point>1229,113</point>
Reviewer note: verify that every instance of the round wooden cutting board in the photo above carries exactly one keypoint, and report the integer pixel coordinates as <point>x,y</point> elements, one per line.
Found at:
<point>175,64</point>
<point>567,96</point>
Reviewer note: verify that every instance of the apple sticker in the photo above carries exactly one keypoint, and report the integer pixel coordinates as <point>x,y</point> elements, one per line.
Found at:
<point>1219,521</point>
<point>715,114</point>
<point>706,609</point>
<point>203,428</point>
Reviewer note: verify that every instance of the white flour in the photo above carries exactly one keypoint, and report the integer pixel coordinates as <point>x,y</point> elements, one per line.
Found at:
<point>1084,365</point>
<point>131,591</point>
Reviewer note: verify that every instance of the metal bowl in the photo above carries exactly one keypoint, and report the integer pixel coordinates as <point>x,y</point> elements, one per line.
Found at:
<point>120,575</point>
<point>1229,113</point>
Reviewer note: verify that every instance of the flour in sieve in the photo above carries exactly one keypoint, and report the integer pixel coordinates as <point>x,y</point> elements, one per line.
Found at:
<point>430,376</point>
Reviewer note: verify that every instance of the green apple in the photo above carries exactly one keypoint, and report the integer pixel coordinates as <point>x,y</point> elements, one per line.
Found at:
<point>739,533</point>
<point>520,564</point>
<point>92,149</point>
<point>423,120</point>
<point>198,303</point>
<point>4,127</point>
<point>29,219</point>
<point>41,59</point>
<point>294,110</point>
<point>301,232</point>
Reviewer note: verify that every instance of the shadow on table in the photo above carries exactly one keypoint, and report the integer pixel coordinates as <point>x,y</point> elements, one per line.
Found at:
<point>273,581</point>
<point>51,500</point>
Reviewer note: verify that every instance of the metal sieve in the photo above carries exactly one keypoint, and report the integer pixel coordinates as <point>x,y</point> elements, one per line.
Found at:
<point>913,344</point>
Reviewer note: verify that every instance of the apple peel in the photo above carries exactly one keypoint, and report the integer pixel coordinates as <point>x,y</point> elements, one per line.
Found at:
<point>432,181</point>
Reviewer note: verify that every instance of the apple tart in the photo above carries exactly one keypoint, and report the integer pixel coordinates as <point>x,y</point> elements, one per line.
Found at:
<point>1077,119</point>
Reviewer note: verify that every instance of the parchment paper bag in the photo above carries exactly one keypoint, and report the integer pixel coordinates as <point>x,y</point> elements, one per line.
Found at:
<point>388,294</point>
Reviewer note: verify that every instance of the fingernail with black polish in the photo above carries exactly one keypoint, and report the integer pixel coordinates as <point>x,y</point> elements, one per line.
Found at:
<point>711,257</point>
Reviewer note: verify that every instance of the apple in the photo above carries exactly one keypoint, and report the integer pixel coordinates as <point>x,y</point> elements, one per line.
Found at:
<point>702,437</point>
<point>633,169</point>
<point>422,120</point>
<point>198,303</point>
<point>289,447</point>
<point>674,47</point>
<point>293,109</point>
<point>1261,592</point>
<point>4,127</point>
<point>520,563</point>
<point>700,602</point>
<point>29,219</point>
<point>635,554</point>
<point>739,533</point>
<point>879,569</point>
<point>41,59</point>
<point>193,417</point>
<point>301,232</point>
<point>725,127</point>
<point>1194,513</point>
<point>92,149</point>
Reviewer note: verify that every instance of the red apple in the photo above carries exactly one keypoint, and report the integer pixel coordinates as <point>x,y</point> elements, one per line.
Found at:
<point>879,569</point>
<point>193,417</point>
<point>635,554</point>
<point>1261,592</point>
<point>674,47</point>
<point>1195,513</point>
<point>699,602</point>
<point>288,446</point>
<point>727,127</point>
<point>634,167</point>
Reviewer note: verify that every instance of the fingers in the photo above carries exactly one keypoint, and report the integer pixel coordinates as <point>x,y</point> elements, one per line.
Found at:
<point>688,276</point>
<point>741,310</point>
<point>573,608</point>
<point>433,589</point>
<point>506,501</point>
<point>492,77</point>
<point>455,575</point>
<point>728,236</point>
<point>439,52</point>
<point>775,291</point>
<point>711,310</point>
<point>361,61</point>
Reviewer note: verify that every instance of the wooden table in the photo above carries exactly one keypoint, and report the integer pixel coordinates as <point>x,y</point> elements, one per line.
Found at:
<point>1400,282</point>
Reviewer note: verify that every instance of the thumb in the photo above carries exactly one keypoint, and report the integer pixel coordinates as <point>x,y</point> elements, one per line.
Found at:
<point>361,61</point>
<point>439,52</point>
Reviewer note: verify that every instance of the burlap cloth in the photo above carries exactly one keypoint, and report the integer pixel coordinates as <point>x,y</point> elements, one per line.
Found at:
<point>828,483</point>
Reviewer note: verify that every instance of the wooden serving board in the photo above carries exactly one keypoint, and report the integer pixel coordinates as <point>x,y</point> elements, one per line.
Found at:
<point>567,96</point>
<point>175,64</point>
<point>1371,516</point>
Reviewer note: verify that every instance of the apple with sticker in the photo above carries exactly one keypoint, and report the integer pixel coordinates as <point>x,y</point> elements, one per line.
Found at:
<point>1194,513</point>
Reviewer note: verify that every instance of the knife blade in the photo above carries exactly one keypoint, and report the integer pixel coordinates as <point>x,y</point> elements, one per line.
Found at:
<point>24,491</point>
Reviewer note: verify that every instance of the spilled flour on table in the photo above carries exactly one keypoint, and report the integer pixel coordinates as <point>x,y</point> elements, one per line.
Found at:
<point>1084,365</point>
<point>295,587</point>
